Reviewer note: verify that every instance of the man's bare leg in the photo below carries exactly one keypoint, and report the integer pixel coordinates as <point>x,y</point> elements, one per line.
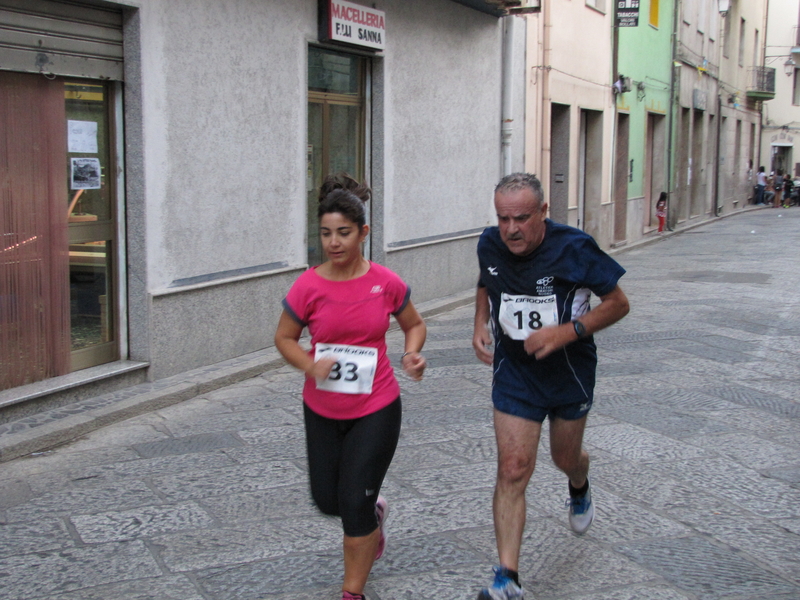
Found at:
<point>517,443</point>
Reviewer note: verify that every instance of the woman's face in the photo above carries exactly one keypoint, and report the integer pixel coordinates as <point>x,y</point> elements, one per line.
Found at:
<point>341,238</point>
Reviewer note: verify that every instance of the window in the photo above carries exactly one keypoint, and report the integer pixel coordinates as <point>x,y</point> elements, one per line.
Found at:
<point>741,43</point>
<point>756,57</point>
<point>796,88</point>
<point>654,13</point>
<point>598,4</point>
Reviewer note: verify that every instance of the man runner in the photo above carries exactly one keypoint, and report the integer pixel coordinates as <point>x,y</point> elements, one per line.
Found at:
<point>536,278</point>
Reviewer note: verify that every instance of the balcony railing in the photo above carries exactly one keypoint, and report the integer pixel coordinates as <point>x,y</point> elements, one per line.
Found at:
<point>762,83</point>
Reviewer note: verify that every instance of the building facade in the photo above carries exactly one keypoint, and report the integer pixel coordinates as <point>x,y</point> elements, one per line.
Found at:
<point>745,86</point>
<point>697,26</point>
<point>570,113</point>
<point>175,152</point>
<point>780,146</point>
<point>644,119</point>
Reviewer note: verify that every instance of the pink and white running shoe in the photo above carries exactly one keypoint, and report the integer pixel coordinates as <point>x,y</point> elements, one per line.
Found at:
<point>382,512</point>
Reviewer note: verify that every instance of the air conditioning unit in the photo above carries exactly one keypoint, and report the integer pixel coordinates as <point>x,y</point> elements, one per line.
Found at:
<point>517,7</point>
<point>622,85</point>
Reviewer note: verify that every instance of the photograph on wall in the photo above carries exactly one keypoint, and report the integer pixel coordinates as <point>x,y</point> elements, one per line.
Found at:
<point>85,174</point>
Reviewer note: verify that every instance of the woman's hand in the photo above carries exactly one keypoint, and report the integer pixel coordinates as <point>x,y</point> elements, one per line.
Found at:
<point>321,369</point>
<point>414,365</point>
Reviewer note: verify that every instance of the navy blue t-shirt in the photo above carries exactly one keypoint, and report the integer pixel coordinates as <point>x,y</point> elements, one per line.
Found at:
<point>552,285</point>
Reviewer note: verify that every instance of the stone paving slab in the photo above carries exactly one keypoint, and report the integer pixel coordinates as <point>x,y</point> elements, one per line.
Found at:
<point>693,436</point>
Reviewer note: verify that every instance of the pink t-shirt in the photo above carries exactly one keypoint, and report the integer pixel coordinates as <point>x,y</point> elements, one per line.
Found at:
<point>354,312</point>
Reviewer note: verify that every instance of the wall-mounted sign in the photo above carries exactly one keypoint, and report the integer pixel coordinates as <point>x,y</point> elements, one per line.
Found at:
<point>353,24</point>
<point>627,13</point>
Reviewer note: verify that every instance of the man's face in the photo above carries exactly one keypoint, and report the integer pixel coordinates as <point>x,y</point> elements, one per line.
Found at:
<point>520,219</point>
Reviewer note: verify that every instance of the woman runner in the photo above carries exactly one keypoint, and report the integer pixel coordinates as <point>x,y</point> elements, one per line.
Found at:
<point>351,399</point>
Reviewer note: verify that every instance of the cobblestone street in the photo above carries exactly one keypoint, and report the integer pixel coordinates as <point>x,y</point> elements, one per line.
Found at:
<point>694,436</point>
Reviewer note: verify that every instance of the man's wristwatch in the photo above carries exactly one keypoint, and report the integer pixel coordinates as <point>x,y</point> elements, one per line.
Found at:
<point>580,330</point>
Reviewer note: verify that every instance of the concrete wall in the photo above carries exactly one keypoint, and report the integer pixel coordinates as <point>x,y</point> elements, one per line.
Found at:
<point>215,111</point>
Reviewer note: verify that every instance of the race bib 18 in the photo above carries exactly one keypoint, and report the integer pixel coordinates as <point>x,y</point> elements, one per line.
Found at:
<point>354,370</point>
<point>522,315</point>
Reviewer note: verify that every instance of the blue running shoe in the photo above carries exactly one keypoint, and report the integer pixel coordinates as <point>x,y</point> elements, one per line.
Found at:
<point>581,511</point>
<point>503,588</point>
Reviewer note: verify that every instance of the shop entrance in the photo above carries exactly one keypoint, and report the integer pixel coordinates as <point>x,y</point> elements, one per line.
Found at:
<point>58,227</point>
<point>336,128</point>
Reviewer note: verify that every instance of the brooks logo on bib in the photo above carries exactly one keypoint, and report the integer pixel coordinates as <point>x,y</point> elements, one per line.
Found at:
<point>520,316</point>
<point>354,370</point>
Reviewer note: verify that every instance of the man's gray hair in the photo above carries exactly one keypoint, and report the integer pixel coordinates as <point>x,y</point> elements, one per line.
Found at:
<point>520,181</point>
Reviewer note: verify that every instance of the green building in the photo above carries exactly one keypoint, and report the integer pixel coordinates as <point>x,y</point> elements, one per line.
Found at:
<point>643,88</point>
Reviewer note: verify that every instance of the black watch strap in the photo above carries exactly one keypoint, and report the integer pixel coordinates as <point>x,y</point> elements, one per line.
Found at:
<point>580,330</point>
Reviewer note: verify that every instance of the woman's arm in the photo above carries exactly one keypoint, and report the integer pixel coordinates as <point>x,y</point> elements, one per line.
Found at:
<point>414,327</point>
<point>287,341</point>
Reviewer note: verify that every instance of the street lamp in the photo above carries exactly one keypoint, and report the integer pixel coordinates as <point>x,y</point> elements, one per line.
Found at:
<point>789,66</point>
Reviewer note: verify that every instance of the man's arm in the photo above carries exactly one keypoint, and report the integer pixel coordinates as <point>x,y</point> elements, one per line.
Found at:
<point>613,306</point>
<point>482,337</point>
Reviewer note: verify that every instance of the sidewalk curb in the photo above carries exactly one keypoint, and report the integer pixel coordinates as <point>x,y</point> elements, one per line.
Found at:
<point>48,429</point>
<point>45,430</point>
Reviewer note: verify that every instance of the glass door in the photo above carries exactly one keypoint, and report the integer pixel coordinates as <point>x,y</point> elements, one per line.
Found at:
<point>336,107</point>
<point>92,222</point>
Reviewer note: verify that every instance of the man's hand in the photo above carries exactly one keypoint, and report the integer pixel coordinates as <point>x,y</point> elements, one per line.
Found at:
<point>547,340</point>
<point>482,342</point>
<point>613,306</point>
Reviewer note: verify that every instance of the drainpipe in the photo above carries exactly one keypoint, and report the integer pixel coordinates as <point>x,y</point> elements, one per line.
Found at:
<point>612,178</point>
<point>545,118</point>
<point>671,114</point>
<point>762,62</point>
<point>507,94</point>
<point>718,175</point>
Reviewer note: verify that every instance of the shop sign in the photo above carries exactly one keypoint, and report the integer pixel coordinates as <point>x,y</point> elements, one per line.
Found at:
<point>627,13</point>
<point>352,24</point>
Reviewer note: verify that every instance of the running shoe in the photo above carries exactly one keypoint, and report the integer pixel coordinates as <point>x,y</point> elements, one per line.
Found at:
<point>503,588</point>
<point>581,511</point>
<point>382,512</point>
<point>349,596</point>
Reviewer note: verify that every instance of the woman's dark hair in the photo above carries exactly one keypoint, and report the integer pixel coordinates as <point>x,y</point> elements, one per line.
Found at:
<point>341,193</point>
<point>344,181</point>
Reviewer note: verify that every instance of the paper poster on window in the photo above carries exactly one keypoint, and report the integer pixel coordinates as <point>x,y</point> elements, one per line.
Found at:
<point>82,136</point>
<point>85,174</point>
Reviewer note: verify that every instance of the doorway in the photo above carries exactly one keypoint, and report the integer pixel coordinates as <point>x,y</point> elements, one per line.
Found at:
<point>623,173</point>
<point>58,225</point>
<point>590,170</point>
<point>336,128</point>
<point>559,163</point>
<point>654,167</point>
